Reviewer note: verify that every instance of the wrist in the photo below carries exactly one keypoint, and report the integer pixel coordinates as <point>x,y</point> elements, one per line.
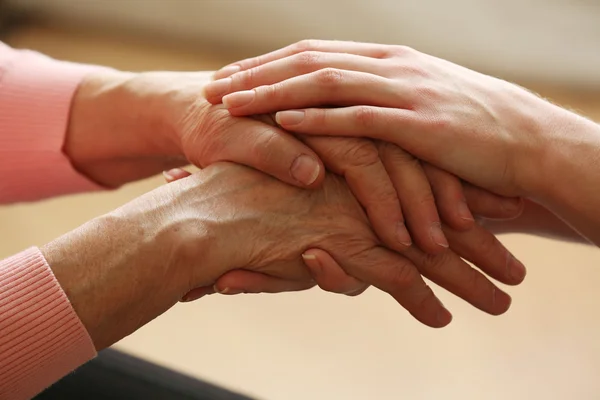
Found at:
<point>538,124</point>
<point>116,132</point>
<point>567,150</point>
<point>125,268</point>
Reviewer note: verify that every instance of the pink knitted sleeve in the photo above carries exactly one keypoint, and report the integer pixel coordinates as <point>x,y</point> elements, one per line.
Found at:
<point>35,96</point>
<point>41,337</point>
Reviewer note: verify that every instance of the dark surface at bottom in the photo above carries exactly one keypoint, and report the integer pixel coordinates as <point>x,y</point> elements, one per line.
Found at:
<point>115,375</point>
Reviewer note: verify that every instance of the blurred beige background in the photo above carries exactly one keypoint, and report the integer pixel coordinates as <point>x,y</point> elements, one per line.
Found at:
<point>314,345</point>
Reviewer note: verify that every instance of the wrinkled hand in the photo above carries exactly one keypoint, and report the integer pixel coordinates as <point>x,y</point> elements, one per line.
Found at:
<point>447,270</point>
<point>126,126</point>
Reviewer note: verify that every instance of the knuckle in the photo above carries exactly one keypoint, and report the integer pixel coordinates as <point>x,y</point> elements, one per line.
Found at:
<point>206,135</point>
<point>263,150</point>
<point>365,116</point>
<point>317,117</point>
<point>403,276</point>
<point>305,45</point>
<point>361,152</point>
<point>397,156</point>
<point>401,51</point>
<point>308,61</point>
<point>427,93</point>
<point>270,93</point>
<point>415,70</point>
<point>442,121</point>
<point>330,77</point>
<point>434,265</point>
<point>427,199</point>
<point>245,78</point>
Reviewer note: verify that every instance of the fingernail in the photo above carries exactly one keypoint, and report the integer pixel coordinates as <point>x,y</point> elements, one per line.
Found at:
<point>511,205</point>
<point>227,290</point>
<point>239,99</point>
<point>402,234</point>
<point>516,269</point>
<point>217,88</point>
<point>464,212</point>
<point>168,176</point>
<point>292,117</point>
<point>313,263</point>
<point>187,298</point>
<point>221,291</point>
<point>305,169</point>
<point>437,235</point>
<point>226,71</point>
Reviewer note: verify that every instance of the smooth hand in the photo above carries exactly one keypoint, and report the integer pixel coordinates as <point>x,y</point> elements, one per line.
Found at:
<point>482,129</point>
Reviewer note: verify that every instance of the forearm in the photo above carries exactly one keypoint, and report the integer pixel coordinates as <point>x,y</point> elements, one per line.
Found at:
<point>94,266</point>
<point>567,180</point>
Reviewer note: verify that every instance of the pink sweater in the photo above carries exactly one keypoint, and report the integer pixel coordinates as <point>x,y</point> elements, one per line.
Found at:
<point>41,337</point>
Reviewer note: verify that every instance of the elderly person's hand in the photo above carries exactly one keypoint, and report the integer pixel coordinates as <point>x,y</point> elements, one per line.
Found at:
<point>479,247</point>
<point>189,233</point>
<point>447,270</point>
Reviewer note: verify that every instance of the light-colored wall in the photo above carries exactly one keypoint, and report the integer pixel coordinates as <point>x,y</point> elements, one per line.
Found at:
<point>545,40</point>
<point>315,345</point>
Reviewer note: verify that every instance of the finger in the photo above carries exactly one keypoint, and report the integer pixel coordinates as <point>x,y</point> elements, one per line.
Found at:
<point>416,198</point>
<point>175,174</point>
<point>484,250</point>
<point>401,127</point>
<point>451,203</point>
<point>197,293</point>
<point>357,160</point>
<point>257,145</point>
<point>242,281</point>
<point>397,276</point>
<point>329,46</point>
<point>326,87</point>
<point>329,275</point>
<point>492,206</point>
<point>289,67</point>
<point>449,271</point>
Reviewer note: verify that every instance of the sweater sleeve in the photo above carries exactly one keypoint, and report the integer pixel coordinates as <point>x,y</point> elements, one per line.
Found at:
<point>35,98</point>
<point>41,336</point>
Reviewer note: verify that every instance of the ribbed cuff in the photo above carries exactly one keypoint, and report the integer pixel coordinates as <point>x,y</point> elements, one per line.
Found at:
<point>41,336</point>
<point>35,99</point>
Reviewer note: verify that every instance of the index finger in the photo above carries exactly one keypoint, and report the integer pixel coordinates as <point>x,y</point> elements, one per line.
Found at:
<point>326,46</point>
